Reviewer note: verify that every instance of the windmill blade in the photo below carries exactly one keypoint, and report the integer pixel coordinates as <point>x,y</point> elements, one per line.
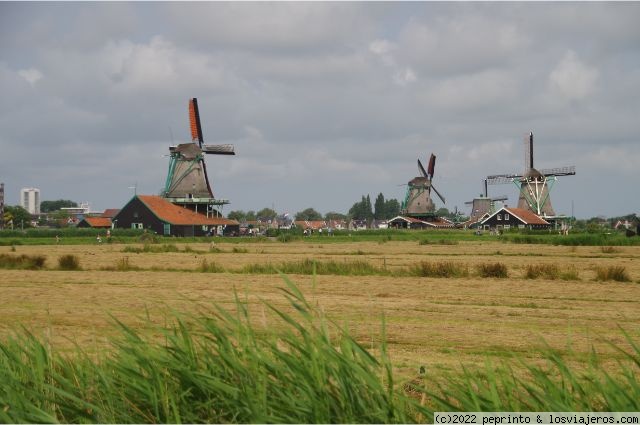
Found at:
<point>438,193</point>
<point>218,149</point>
<point>432,166</point>
<point>421,168</point>
<point>194,121</point>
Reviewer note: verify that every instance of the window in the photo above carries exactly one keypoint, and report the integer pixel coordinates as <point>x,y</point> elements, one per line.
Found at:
<point>520,226</point>
<point>507,227</point>
<point>137,226</point>
<point>506,216</point>
<point>499,216</point>
<point>167,229</point>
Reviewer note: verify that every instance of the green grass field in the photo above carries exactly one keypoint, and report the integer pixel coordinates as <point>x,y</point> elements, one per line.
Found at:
<point>386,329</point>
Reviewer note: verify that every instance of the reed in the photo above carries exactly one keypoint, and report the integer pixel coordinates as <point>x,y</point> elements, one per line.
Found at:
<point>488,270</point>
<point>616,273</point>
<point>23,261</point>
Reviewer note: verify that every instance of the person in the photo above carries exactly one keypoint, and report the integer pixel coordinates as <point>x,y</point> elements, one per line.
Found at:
<point>57,239</point>
<point>108,234</point>
<point>99,239</point>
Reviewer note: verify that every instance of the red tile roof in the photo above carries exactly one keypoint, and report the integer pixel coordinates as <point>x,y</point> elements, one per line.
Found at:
<point>173,214</point>
<point>307,224</point>
<point>110,212</point>
<point>525,215</point>
<point>98,221</point>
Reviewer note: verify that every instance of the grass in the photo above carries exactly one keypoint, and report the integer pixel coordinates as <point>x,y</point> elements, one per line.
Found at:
<point>308,267</point>
<point>438,242</point>
<point>239,250</point>
<point>488,270</point>
<point>214,369</point>
<point>617,273</point>
<point>210,267</point>
<point>609,250</point>
<point>546,271</point>
<point>445,269</point>
<point>69,262</point>
<point>23,261</point>
<point>220,366</point>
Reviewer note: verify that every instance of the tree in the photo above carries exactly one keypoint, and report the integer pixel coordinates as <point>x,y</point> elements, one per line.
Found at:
<point>361,210</point>
<point>391,208</point>
<point>266,214</point>
<point>51,206</point>
<point>309,214</point>
<point>251,216</point>
<point>443,212</point>
<point>332,215</point>
<point>380,210</point>
<point>17,214</point>
<point>237,215</point>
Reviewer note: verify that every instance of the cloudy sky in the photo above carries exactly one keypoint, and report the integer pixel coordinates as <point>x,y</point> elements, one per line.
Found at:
<point>324,102</point>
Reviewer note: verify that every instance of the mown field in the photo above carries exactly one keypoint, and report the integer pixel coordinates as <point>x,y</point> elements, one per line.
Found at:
<point>435,322</point>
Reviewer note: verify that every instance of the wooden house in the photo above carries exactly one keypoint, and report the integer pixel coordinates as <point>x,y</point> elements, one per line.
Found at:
<point>95,222</point>
<point>164,218</point>
<point>513,218</point>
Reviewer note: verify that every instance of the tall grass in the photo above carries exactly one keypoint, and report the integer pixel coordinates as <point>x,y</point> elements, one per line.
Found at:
<point>488,270</point>
<point>617,273</point>
<point>552,387</point>
<point>441,269</point>
<point>308,267</point>
<point>69,262</point>
<point>216,369</point>
<point>23,261</point>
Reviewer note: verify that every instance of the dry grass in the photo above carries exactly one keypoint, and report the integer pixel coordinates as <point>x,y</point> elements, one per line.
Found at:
<point>438,322</point>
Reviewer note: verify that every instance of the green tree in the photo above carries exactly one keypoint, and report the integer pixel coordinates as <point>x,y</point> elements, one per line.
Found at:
<point>251,216</point>
<point>51,206</point>
<point>237,215</point>
<point>266,214</point>
<point>443,212</point>
<point>361,210</point>
<point>380,208</point>
<point>309,214</point>
<point>332,215</point>
<point>391,208</point>
<point>17,214</point>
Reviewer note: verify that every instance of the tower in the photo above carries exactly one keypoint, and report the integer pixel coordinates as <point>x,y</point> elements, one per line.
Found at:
<point>417,201</point>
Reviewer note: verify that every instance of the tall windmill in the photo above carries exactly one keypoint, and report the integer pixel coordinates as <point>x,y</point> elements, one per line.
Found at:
<point>483,204</point>
<point>1,206</point>
<point>187,183</point>
<point>417,200</point>
<point>534,185</point>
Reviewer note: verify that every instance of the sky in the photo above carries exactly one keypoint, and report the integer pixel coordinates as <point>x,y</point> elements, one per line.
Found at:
<point>323,101</point>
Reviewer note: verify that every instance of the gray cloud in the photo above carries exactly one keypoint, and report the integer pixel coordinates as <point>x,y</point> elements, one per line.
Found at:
<point>324,101</point>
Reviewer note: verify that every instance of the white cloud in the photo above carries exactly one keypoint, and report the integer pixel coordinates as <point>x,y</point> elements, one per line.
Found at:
<point>31,75</point>
<point>573,79</point>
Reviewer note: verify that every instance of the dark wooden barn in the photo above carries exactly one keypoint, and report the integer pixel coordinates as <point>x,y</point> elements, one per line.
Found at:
<point>513,218</point>
<point>158,215</point>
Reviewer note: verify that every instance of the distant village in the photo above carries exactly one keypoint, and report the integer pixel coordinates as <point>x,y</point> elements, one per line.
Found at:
<point>187,207</point>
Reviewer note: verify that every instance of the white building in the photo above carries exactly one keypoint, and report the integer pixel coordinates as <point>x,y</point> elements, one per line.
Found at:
<point>30,199</point>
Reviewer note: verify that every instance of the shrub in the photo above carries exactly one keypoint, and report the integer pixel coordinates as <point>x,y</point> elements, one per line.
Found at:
<point>609,250</point>
<point>546,271</point>
<point>206,267</point>
<point>26,262</point>
<point>443,269</point>
<point>123,265</point>
<point>617,273</point>
<point>69,262</point>
<point>498,270</point>
<point>239,250</point>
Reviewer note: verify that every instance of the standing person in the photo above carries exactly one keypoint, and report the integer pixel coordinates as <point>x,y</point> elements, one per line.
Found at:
<point>99,239</point>
<point>57,239</point>
<point>108,234</point>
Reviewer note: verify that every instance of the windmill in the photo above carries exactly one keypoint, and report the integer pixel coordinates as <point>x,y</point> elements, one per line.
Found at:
<point>187,183</point>
<point>1,206</point>
<point>534,185</point>
<point>417,201</point>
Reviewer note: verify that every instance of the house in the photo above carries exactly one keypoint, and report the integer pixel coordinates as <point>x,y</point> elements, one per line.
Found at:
<point>513,218</point>
<point>311,225</point>
<point>110,212</point>
<point>164,218</point>
<point>95,222</point>
<point>404,222</point>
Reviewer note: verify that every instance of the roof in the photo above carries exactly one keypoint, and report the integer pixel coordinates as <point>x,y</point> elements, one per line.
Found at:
<point>526,216</point>
<point>311,224</point>
<point>98,221</point>
<point>436,222</point>
<point>179,216</point>
<point>110,212</point>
